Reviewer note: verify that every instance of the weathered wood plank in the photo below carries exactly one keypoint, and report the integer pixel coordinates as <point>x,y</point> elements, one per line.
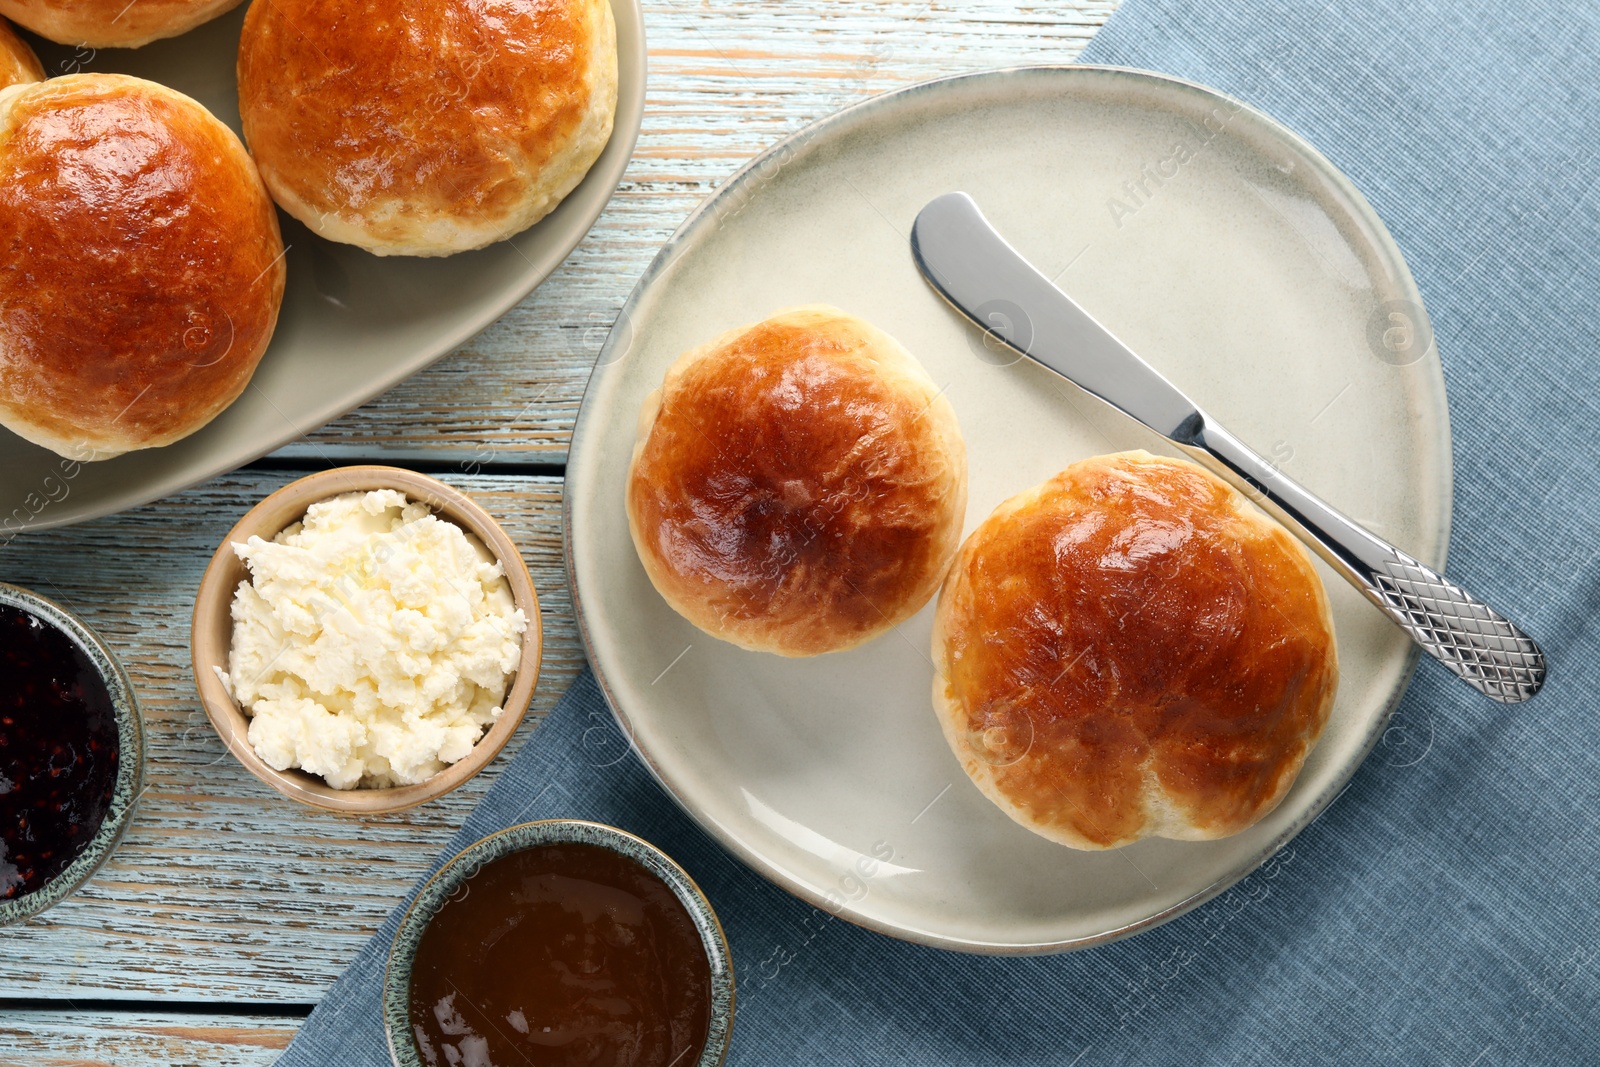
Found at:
<point>223,890</point>
<point>32,1038</point>
<point>727,79</point>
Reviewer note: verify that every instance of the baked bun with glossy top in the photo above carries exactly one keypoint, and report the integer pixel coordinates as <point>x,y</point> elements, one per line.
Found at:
<point>140,265</point>
<point>426,129</point>
<point>1131,650</point>
<point>18,64</point>
<point>798,485</point>
<point>112,23</point>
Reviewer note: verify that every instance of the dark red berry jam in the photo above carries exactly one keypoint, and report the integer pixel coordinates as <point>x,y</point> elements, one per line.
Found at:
<point>58,751</point>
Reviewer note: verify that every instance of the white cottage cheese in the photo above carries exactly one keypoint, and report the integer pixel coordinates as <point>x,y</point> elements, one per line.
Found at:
<point>373,642</point>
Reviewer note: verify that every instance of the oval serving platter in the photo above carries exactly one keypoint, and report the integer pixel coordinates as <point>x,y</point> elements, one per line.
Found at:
<point>353,324</point>
<point>1221,247</point>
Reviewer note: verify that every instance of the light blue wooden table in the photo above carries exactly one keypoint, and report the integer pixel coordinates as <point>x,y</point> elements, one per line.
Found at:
<point>229,910</point>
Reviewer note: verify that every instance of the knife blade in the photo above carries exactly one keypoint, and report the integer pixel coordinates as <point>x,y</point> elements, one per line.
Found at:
<point>986,279</point>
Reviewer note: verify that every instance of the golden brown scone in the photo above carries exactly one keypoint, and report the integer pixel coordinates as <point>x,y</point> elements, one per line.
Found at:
<point>426,129</point>
<point>1130,650</point>
<point>18,64</point>
<point>140,265</point>
<point>798,485</point>
<point>112,23</point>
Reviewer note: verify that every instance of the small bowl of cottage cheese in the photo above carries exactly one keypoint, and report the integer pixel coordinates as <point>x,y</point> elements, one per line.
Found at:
<point>366,639</point>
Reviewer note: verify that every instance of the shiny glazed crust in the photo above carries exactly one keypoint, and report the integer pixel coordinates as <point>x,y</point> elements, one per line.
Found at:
<point>18,64</point>
<point>429,129</point>
<point>798,485</point>
<point>112,23</point>
<point>140,265</point>
<point>1129,650</point>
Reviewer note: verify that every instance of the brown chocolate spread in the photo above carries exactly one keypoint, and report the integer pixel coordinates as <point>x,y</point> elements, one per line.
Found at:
<point>561,955</point>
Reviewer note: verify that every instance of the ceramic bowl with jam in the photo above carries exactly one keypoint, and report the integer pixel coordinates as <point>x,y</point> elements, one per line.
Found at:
<point>71,753</point>
<point>559,943</point>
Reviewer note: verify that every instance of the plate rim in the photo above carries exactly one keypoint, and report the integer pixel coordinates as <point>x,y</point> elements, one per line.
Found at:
<point>622,142</point>
<point>734,185</point>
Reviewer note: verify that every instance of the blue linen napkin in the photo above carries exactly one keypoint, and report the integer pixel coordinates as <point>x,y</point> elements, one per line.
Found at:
<point>1444,910</point>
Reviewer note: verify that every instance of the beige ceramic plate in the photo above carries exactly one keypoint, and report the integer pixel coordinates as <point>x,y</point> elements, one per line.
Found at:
<point>1219,246</point>
<point>352,325</point>
<point>211,632</point>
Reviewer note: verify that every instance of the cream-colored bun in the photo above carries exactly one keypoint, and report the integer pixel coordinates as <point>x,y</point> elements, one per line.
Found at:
<point>1132,650</point>
<point>18,64</point>
<point>140,265</point>
<point>426,129</point>
<point>112,23</point>
<point>798,485</point>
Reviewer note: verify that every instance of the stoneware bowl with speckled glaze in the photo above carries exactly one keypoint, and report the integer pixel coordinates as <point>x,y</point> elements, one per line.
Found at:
<point>353,324</point>
<point>130,761</point>
<point>1218,245</point>
<point>211,633</point>
<point>450,878</point>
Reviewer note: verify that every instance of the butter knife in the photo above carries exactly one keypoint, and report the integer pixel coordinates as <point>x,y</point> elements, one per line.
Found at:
<point>986,279</point>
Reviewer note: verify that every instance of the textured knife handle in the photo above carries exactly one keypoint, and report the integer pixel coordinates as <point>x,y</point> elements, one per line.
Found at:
<point>1480,645</point>
<point>1475,642</point>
